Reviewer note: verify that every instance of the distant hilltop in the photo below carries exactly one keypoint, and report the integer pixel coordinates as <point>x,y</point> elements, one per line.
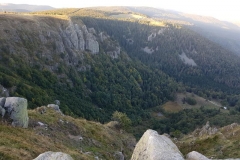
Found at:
<point>9,7</point>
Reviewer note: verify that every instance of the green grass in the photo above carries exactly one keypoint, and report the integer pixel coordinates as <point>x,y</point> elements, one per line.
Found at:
<point>178,104</point>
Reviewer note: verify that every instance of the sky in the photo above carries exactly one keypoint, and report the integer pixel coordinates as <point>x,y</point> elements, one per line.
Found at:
<point>228,10</point>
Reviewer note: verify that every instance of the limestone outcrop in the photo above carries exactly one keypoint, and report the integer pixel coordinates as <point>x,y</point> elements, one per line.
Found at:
<point>54,156</point>
<point>206,130</point>
<point>153,146</point>
<point>14,109</point>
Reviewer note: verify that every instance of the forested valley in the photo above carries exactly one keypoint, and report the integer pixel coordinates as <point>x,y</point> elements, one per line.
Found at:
<point>156,62</point>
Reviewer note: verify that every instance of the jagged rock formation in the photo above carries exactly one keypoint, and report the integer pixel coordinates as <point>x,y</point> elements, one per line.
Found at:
<point>14,109</point>
<point>54,156</point>
<point>73,39</point>
<point>212,142</point>
<point>195,156</point>
<point>206,130</point>
<point>91,43</point>
<point>153,146</point>
<point>55,41</point>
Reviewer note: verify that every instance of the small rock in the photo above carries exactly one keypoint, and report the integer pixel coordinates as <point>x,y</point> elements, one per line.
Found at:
<point>195,156</point>
<point>119,156</point>
<point>61,121</point>
<point>54,106</point>
<point>41,124</point>
<point>80,138</point>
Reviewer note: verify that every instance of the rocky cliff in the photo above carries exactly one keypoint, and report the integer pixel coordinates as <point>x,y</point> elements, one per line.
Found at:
<point>51,37</point>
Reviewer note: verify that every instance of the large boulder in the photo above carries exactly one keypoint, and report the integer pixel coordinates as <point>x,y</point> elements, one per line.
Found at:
<point>53,156</point>
<point>153,146</point>
<point>195,156</point>
<point>15,109</point>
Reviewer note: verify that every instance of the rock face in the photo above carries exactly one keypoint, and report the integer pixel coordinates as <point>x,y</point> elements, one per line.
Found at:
<point>73,39</point>
<point>56,42</point>
<point>91,43</point>
<point>54,156</point>
<point>153,146</point>
<point>206,130</point>
<point>195,156</point>
<point>14,109</point>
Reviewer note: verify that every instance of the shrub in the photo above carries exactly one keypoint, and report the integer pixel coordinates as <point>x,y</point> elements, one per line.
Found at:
<point>191,101</point>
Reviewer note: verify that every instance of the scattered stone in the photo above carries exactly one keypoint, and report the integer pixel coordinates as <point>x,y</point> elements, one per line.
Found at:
<point>76,138</point>
<point>53,156</point>
<point>96,158</point>
<point>61,121</point>
<point>119,156</point>
<point>41,124</point>
<point>54,106</point>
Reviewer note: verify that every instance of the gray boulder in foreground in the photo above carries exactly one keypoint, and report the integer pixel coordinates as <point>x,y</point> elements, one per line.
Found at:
<point>53,156</point>
<point>195,156</point>
<point>15,109</point>
<point>153,146</point>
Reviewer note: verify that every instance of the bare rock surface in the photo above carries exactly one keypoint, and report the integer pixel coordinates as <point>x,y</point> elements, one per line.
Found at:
<point>195,156</point>
<point>54,156</point>
<point>14,109</point>
<point>153,146</point>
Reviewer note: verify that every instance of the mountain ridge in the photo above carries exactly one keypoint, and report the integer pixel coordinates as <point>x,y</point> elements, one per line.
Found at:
<point>10,7</point>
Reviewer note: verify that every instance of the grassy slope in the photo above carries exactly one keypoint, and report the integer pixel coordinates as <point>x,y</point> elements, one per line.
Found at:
<point>178,105</point>
<point>62,134</point>
<point>223,144</point>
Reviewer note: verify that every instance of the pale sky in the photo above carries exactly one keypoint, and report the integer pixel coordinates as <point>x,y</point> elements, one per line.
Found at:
<point>220,9</point>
